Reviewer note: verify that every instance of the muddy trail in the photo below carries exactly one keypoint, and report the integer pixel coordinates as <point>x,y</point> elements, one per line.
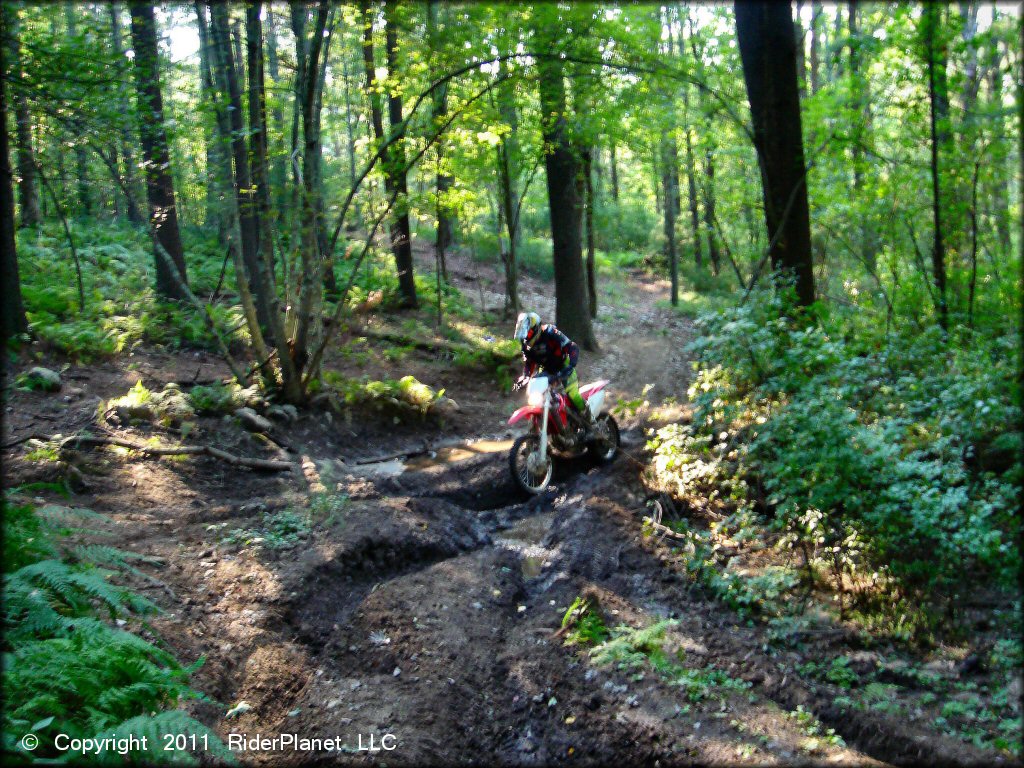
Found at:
<point>432,612</point>
<point>420,610</point>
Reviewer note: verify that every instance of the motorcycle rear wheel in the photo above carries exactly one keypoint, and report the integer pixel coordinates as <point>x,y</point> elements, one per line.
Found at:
<point>524,463</point>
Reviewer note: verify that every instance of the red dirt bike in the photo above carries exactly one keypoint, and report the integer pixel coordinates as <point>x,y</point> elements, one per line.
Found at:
<point>555,428</point>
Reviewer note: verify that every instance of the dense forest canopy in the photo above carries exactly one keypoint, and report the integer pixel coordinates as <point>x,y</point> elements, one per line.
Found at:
<point>829,194</point>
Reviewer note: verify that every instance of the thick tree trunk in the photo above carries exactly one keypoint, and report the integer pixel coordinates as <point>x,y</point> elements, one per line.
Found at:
<point>28,195</point>
<point>12,312</point>
<point>163,213</point>
<point>766,42</point>
<point>931,13</point>
<point>564,205</point>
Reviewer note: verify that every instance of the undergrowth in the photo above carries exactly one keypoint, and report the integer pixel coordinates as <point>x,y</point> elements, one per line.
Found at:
<point>69,665</point>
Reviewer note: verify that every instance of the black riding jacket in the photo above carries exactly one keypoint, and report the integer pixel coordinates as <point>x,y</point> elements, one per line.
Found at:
<point>554,352</point>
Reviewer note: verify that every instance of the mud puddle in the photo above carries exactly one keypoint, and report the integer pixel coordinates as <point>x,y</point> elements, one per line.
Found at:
<point>440,456</point>
<point>525,538</point>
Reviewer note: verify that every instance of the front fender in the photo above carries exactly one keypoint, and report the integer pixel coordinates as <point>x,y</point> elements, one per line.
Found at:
<point>522,413</point>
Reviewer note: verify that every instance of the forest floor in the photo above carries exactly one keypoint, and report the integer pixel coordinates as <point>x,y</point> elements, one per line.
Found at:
<point>426,600</point>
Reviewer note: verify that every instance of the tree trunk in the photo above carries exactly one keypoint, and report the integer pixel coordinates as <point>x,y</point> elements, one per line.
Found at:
<point>815,45</point>
<point>12,312</point>
<point>670,192</point>
<point>221,180</point>
<point>127,141</point>
<point>82,181</point>
<point>571,314</point>
<point>691,182</point>
<point>28,195</point>
<point>278,168</point>
<point>614,173</point>
<point>444,180</point>
<point>163,214</point>
<point>766,41</point>
<point>588,183</point>
<point>930,21</point>
<point>248,210</point>
<point>258,131</point>
<point>801,61</point>
<point>401,239</point>
<point>709,207</point>
<point>1000,187</point>
<point>508,160</point>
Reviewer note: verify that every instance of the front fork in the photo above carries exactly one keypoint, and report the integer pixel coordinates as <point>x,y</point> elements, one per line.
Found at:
<point>544,429</point>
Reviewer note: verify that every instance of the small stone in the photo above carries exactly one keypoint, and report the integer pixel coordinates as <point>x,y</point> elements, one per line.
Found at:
<point>239,709</point>
<point>333,703</point>
<point>283,413</point>
<point>397,672</point>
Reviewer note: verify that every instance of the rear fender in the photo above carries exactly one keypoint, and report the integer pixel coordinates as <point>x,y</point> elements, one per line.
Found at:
<point>524,412</point>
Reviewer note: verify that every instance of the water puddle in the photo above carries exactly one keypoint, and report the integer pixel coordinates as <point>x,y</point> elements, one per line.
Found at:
<point>524,538</point>
<point>439,457</point>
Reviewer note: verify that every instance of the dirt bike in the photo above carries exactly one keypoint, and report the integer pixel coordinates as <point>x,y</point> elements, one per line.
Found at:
<point>556,429</point>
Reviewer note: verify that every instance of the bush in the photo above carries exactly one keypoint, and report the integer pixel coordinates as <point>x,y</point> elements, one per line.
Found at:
<point>889,458</point>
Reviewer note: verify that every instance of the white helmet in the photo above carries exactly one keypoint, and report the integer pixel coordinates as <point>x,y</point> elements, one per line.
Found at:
<point>527,328</point>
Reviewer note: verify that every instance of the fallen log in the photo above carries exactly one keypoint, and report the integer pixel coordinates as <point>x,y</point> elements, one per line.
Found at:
<point>268,465</point>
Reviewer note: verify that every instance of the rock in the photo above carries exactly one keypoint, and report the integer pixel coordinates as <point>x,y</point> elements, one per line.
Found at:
<point>41,378</point>
<point>283,413</point>
<point>444,407</point>
<point>252,421</point>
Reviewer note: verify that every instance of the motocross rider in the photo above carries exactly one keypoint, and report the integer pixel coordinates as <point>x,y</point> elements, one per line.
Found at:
<point>547,348</point>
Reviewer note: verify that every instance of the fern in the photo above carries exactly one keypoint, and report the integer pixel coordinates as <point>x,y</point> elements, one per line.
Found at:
<point>65,670</point>
<point>172,722</point>
<point>106,676</point>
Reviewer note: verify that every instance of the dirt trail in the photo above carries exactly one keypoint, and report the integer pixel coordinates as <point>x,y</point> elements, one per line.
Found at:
<point>427,606</point>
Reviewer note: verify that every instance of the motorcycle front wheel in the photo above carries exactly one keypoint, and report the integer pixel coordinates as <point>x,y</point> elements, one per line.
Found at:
<point>530,473</point>
<point>605,444</point>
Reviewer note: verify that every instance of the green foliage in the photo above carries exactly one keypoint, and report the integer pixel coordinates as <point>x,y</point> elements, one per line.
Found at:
<point>876,453</point>
<point>629,647</point>
<point>399,399</point>
<point>109,678</point>
<point>816,734</point>
<point>588,627</point>
<point>121,308</point>
<point>279,530</point>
